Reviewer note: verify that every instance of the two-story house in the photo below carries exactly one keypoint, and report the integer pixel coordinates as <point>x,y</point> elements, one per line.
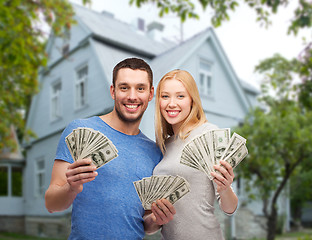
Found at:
<point>76,84</point>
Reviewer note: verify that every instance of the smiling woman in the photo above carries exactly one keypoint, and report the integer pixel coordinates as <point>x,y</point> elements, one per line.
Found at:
<point>179,118</point>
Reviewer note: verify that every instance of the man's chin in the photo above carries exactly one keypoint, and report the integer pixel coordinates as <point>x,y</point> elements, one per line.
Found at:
<point>129,119</point>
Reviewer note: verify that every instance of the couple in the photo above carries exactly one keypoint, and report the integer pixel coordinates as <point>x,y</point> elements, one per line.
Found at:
<point>105,202</point>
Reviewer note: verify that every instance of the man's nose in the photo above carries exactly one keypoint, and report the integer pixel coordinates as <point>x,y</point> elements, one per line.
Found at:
<point>132,94</point>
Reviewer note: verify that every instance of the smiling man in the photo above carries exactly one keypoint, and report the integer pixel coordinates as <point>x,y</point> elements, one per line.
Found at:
<point>105,202</point>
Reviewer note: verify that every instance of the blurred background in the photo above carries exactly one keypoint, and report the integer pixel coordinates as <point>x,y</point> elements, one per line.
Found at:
<point>253,67</point>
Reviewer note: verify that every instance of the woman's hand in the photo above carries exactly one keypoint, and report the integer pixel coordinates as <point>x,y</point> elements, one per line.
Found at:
<point>224,176</point>
<point>162,211</point>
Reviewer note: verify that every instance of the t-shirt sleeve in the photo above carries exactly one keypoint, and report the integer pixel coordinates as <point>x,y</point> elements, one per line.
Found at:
<point>62,151</point>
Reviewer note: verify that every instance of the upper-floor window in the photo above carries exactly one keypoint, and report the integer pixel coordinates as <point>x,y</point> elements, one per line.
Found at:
<point>205,79</point>
<point>39,177</point>
<point>56,100</point>
<point>81,87</point>
<point>66,40</point>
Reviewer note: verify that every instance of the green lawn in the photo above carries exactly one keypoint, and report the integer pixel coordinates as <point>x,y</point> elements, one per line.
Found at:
<point>302,235</point>
<point>15,236</point>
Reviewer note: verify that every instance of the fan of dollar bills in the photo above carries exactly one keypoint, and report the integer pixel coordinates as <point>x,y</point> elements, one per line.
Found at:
<point>207,149</point>
<point>88,143</point>
<point>156,187</point>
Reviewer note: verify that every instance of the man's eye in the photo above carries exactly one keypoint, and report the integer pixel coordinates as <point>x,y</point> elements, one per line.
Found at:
<point>123,88</point>
<point>141,88</point>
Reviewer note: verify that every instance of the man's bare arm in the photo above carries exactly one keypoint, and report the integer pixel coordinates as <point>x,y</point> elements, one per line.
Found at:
<point>66,182</point>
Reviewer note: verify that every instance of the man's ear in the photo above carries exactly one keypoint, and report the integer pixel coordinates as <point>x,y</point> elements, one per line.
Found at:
<point>151,94</point>
<point>112,91</point>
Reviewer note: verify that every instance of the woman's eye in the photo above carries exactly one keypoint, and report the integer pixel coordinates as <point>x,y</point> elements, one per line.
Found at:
<point>164,96</point>
<point>181,96</point>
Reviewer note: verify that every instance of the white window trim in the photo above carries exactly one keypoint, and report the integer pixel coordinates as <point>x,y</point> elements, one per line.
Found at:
<point>55,95</point>
<point>84,80</point>
<point>203,89</point>
<point>39,190</point>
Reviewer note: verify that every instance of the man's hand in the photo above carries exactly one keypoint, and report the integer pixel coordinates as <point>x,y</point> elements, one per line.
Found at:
<point>66,182</point>
<point>80,172</point>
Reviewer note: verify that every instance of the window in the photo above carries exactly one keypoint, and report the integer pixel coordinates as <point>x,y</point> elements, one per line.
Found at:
<point>11,181</point>
<point>3,181</point>
<point>56,100</point>
<point>66,39</point>
<point>17,181</point>
<point>80,86</point>
<point>40,176</point>
<point>205,78</point>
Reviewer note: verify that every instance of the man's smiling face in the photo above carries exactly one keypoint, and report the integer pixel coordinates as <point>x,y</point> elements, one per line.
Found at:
<point>131,93</point>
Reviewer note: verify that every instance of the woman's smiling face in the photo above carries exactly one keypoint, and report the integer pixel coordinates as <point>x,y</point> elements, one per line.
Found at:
<point>175,103</point>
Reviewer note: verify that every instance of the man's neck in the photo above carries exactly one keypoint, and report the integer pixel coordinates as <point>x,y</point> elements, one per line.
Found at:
<point>129,128</point>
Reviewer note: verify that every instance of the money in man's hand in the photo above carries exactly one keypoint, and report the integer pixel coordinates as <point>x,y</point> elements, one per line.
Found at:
<point>88,143</point>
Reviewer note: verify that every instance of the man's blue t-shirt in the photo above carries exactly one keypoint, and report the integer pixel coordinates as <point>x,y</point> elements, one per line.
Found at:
<point>109,207</point>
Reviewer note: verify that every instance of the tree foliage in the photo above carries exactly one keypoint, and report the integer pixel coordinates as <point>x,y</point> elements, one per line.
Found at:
<point>279,137</point>
<point>221,9</point>
<point>22,53</point>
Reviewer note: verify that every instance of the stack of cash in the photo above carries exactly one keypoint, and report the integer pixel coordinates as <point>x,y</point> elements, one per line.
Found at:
<point>156,187</point>
<point>207,149</point>
<point>88,143</point>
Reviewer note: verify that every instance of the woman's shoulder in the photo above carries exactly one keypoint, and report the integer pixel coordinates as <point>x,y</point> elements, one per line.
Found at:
<point>207,126</point>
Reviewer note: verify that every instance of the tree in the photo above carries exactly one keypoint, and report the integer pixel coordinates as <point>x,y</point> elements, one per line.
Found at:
<point>220,10</point>
<point>279,137</point>
<point>22,53</point>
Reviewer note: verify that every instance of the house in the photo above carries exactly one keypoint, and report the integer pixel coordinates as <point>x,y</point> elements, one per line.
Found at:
<point>76,85</point>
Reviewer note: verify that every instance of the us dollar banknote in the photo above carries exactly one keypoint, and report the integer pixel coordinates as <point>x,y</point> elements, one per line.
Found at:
<point>88,143</point>
<point>157,187</point>
<point>207,149</point>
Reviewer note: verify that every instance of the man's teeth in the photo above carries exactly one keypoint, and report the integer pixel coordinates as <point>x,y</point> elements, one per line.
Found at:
<point>132,106</point>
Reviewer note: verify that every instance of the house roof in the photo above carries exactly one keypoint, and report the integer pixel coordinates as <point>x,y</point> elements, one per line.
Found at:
<point>164,55</point>
<point>175,57</point>
<point>7,155</point>
<point>103,28</point>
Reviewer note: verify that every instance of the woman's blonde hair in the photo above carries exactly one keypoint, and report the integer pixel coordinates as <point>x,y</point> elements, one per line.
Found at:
<point>196,117</point>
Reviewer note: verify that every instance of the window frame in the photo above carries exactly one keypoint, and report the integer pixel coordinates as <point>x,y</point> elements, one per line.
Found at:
<point>39,190</point>
<point>56,108</point>
<point>80,101</point>
<point>206,89</point>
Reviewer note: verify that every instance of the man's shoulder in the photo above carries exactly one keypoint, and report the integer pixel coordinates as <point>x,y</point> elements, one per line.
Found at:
<point>83,122</point>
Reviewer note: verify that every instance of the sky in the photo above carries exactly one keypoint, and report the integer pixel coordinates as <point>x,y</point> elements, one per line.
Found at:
<point>244,41</point>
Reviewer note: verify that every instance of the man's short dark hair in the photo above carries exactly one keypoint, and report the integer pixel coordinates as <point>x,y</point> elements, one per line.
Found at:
<point>134,64</point>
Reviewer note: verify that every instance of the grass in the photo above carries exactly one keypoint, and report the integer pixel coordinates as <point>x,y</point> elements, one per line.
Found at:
<point>16,236</point>
<point>301,235</point>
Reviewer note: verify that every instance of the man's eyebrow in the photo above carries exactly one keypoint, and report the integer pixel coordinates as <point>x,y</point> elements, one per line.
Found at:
<point>122,83</point>
<point>142,84</point>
